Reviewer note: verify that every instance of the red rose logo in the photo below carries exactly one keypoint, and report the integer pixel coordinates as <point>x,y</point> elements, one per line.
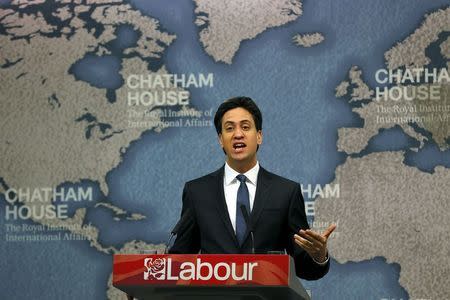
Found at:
<point>155,269</point>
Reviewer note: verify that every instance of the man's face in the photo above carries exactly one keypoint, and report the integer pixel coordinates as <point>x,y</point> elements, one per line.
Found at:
<point>239,138</point>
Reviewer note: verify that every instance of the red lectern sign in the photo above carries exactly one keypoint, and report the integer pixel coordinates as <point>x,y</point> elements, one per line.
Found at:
<point>200,270</point>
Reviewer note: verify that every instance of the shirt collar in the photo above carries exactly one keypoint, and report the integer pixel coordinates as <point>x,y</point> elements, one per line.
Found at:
<point>230,174</point>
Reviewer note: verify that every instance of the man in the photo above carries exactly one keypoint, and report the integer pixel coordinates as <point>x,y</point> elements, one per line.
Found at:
<point>223,208</point>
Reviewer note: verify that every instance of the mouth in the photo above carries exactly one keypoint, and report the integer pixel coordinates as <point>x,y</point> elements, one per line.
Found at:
<point>239,147</point>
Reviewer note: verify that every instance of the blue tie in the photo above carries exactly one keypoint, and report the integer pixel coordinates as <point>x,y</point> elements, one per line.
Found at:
<point>242,199</point>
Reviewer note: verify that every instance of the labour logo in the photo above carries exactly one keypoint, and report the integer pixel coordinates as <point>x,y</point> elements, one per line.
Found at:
<point>156,269</point>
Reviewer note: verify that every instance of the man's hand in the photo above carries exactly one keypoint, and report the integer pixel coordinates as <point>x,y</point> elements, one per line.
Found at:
<point>313,243</point>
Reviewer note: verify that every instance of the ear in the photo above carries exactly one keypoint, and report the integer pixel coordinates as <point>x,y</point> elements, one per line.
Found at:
<point>220,140</point>
<point>259,137</point>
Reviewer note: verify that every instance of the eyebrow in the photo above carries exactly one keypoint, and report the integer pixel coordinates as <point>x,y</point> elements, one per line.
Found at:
<point>242,121</point>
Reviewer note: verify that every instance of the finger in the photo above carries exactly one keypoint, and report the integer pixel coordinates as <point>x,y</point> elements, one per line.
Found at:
<point>305,244</point>
<point>315,247</point>
<point>303,240</point>
<point>329,230</point>
<point>311,238</point>
<point>315,235</point>
<point>308,249</point>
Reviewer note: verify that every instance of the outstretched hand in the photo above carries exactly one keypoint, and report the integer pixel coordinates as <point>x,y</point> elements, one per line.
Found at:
<point>313,243</point>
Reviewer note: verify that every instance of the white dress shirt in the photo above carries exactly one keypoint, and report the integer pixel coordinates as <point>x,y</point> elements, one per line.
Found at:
<point>231,186</point>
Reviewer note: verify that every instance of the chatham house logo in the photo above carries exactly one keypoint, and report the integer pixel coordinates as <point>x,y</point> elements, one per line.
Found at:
<point>156,269</point>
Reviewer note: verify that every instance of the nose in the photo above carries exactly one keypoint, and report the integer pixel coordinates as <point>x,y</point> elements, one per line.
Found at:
<point>238,133</point>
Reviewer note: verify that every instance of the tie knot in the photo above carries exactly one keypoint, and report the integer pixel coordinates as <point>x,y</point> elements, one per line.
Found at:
<point>241,178</point>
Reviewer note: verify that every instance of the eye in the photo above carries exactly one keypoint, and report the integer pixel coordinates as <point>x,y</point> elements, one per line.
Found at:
<point>245,127</point>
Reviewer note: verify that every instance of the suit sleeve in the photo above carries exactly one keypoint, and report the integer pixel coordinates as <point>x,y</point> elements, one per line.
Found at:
<point>305,266</point>
<point>188,237</point>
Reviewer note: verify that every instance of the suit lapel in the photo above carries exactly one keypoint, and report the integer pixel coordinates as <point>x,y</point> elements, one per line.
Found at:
<point>261,196</point>
<point>222,208</point>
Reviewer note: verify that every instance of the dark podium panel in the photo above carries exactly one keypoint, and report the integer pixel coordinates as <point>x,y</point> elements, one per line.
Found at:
<point>207,276</point>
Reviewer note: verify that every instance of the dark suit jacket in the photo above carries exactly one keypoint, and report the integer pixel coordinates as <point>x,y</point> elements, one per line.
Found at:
<point>278,212</point>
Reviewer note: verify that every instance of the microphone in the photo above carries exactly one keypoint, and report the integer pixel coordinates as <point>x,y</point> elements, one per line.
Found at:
<point>181,223</point>
<point>249,226</point>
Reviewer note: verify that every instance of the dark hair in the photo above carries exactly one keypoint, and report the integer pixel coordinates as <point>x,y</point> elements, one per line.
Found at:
<point>244,102</point>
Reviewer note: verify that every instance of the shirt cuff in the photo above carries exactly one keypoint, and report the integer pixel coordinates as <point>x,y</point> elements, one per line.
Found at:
<point>322,263</point>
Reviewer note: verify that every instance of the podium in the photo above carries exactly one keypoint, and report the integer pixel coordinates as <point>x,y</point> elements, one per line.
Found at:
<point>207,277</point>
